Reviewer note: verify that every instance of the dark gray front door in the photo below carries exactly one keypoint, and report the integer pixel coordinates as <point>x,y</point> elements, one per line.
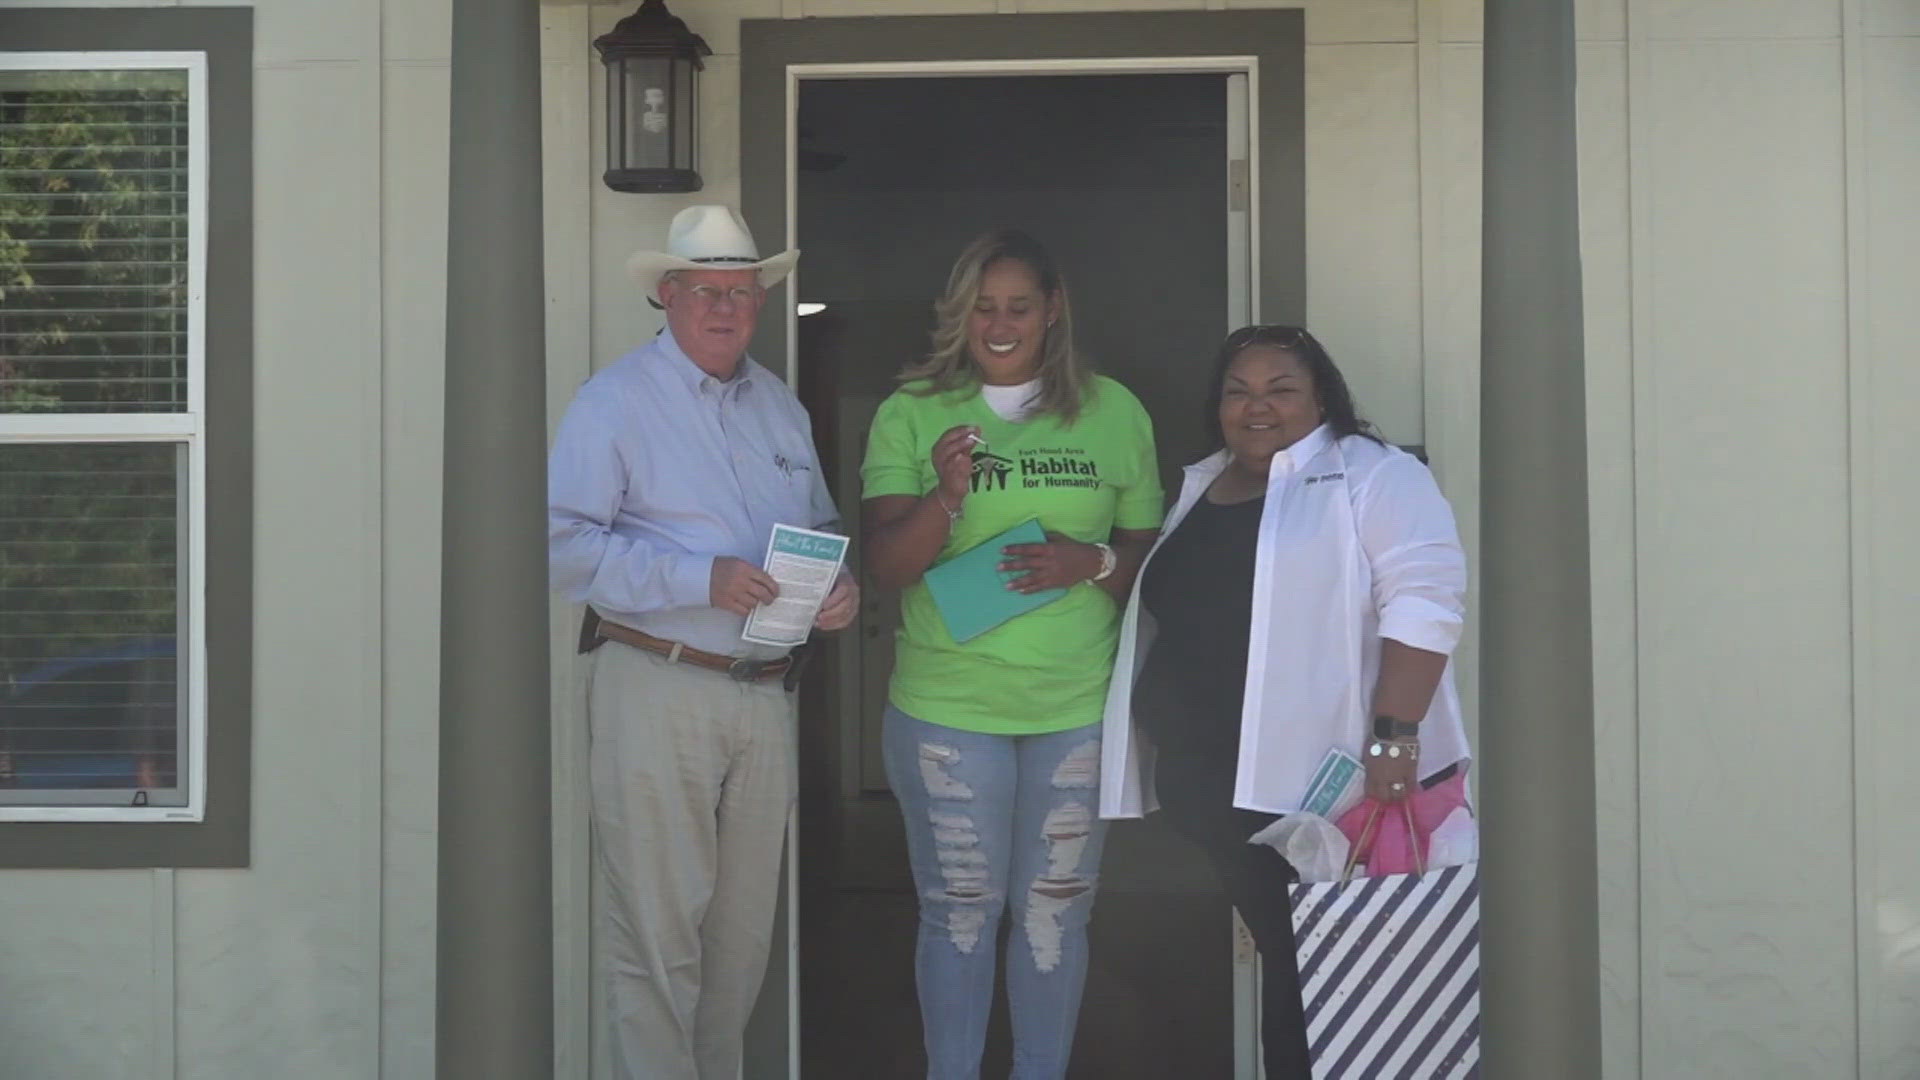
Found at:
<point>1125,179</point>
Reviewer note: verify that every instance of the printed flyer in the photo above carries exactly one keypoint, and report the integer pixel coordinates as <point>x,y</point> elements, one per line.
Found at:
<point>804,563</point>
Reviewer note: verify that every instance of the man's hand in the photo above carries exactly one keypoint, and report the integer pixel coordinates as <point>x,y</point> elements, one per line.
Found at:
<point>739,586</point>
<point>841,605</point>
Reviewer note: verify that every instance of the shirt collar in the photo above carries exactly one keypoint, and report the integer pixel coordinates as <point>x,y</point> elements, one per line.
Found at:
<point>1293,457</point>
<point>690,374</point>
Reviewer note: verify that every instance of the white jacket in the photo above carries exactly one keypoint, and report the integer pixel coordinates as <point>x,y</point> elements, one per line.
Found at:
<point>1356,544</point>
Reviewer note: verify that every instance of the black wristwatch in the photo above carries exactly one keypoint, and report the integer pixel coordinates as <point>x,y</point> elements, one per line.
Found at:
<point>1387,728</point>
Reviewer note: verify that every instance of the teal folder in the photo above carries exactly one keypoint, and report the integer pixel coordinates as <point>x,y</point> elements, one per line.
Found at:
<point>970,590</point>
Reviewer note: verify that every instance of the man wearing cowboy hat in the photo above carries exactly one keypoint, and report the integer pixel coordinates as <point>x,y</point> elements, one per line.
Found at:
<point>667,475</point>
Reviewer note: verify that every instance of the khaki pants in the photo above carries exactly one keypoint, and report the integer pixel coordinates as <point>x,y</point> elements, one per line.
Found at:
<point>693,776</point>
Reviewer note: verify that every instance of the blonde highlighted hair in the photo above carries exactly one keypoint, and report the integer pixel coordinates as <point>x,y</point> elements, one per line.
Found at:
<point>1064,376</point>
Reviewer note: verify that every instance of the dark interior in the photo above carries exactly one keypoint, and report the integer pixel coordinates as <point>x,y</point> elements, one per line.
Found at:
<point>1125,179</point>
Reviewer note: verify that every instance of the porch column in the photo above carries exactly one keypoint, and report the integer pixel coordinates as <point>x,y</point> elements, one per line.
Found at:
<point>495,964</point>
<point>1540,946</point>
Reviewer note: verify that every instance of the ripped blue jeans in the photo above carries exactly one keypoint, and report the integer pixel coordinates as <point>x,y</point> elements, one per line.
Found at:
<point>998,823</point>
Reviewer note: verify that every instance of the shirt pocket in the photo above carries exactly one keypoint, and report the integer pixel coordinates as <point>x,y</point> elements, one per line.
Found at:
<point>797,468</point>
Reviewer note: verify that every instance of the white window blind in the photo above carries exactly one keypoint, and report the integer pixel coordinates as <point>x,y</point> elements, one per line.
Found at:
<point>101,458</point>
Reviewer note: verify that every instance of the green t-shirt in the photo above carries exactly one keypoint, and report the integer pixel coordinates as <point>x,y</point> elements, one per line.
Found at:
<point>1046,670</point>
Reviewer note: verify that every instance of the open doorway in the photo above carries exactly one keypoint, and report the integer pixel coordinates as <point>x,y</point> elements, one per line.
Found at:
<point>1131,180</point>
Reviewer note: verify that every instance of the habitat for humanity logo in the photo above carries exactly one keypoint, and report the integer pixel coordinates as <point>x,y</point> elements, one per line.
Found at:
<point>990,472</point>
<point>1056,469</point>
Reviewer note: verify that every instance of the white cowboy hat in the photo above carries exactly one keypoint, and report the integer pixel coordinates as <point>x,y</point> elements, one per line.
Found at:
<point>708,237</point>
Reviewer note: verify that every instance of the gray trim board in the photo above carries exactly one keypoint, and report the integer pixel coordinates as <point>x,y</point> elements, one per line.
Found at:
<point>1541,946</point>
<point>494,965</point>
<point>223,838</point>
<point>1276,37</point>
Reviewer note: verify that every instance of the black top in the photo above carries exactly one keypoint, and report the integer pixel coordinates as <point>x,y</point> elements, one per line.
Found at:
<point>1199,589</point>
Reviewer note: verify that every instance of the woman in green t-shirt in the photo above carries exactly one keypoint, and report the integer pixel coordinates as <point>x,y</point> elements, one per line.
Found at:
<point>992,744</point>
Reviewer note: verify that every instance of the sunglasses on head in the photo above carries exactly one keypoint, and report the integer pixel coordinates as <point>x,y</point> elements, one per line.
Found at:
<point>1278,335</point>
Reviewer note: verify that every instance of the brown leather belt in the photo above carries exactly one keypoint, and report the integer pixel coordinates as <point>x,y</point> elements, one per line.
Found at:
<point>737,668</point>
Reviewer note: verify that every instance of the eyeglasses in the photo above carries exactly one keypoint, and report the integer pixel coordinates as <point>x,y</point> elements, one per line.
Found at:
<point>1278,335</point>
<point>709,295</point>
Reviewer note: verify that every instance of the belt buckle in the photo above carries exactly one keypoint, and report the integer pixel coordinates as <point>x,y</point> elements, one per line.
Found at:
<point>745,670</point>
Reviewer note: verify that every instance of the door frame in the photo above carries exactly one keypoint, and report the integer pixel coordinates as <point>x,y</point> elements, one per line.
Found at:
<point>776,54</point>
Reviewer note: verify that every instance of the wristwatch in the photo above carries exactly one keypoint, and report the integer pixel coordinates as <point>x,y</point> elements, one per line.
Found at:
<point>1108,560</point>
<point>1387,728</point>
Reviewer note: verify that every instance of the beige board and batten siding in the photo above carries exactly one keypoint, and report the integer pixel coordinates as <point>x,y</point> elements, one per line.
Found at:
<point>1749,339</point>
<point>1884,264</point>
<point>1749,256</point>
<point>318,959</point>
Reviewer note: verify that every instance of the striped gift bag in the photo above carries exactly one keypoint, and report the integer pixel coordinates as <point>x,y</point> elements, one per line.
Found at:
<point>1390,974</point>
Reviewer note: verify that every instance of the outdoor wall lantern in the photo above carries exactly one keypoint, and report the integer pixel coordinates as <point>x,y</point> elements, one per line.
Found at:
<point>653,62</point>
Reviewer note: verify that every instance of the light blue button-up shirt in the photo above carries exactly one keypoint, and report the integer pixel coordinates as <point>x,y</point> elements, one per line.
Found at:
<point>657,469</point>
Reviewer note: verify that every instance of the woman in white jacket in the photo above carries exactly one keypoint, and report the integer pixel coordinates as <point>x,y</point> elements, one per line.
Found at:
<point>1305,595</point>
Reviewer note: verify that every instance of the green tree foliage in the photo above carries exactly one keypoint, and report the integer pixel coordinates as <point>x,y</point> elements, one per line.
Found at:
<point>93,247</point>
<point>93,295</point>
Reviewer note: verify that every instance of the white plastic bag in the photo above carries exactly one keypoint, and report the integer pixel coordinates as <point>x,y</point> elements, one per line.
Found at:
<point>1317,850</point>
<point>1455,842</point>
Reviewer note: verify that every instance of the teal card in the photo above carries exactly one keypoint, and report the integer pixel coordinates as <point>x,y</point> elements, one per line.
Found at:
<point>1327,791</point>
<point>970,590</point>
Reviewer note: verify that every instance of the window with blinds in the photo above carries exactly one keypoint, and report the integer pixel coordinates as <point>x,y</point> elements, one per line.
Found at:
<point>101,235</point>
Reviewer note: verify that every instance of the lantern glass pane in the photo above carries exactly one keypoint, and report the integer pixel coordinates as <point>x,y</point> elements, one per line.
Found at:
<point>685,124</point>
<point>616,115</point>
<point>648,125</point>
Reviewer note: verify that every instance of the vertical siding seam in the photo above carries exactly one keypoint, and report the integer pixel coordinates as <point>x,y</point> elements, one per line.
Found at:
<point>1641,439</point>
<point>374,768</point>
<point>1449,377</point>
<point>1629,719</point>
<point>595,130</point>
<point>1859,532</point>
<point>166,966</point>
<point>1633,571</point>
<point>582,817</point>
<point>1426,108</point>
<point>574,1001</point>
